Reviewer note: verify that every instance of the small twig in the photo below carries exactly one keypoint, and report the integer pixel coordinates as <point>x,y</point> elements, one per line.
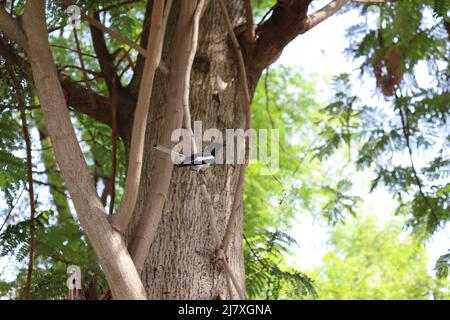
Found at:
<point>264,17</point>
<point>112,33</point>
<point>229,287</point>
<point>92,72</point>
<point>11,210</point>
<point>126,55</point>
<point>211,214</point>
<point>404,121</point>
<point>187,79</point>
<point>114,99</point>
<point>120,4</point>
<point>239,290</point>
<point>14,107</point>
<point>253,252</point>
<point>229,232</point>
<point>73,50</point>
<point>247,110</point>
<point>266,93</point>
<point>238,51</point>
<point>53,186</point>
<point>84,71</point>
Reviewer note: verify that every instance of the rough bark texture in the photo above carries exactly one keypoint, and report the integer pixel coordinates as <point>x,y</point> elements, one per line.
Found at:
<point>108,244</point>
<point>178,265</point>
<point>179,262</point>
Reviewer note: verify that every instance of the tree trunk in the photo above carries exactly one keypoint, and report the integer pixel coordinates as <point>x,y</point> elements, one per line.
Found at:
<point>179,265</point>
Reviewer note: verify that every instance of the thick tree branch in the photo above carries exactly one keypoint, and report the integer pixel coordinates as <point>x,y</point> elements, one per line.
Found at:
<point>109,246</point>
<point>288,20</point>
<point>78,97</point>
<point>324,13</point>
<point>11,28</point>
<point>104,57</point>
<point>7,52</point>
<point>156,37</point>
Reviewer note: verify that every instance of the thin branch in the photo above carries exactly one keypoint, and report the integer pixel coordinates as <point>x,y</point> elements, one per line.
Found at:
<point>113,144</point>
<point>106,60</point>
<point>11,210</point>
<point>11,28</point>
<point>250,29</point>
<point>405,128</point>
<point>156,36</point>
<point>74,50</point>
<point>114,34</point>
<point>228,271</point>
<point>120,4</point>
<point>14,107</point>
<point>83,70</point>
<point>211,214</point>
<point>106,191</point>
<point>187,78</point>
<point>229,232</point>
<point>229,287</point>
<point>247,104</point>
<point>96,74</point>
<point>26,133</point>
<point>126,55</point>
<point>53,186</point>
<point>324,13</point>
<point>237,49</point>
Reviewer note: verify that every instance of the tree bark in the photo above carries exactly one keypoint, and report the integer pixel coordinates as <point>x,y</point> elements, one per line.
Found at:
<point>179,265</point>
<point>108,244</point>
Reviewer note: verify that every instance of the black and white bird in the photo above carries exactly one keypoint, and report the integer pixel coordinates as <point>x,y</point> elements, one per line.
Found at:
<point>205,157</point>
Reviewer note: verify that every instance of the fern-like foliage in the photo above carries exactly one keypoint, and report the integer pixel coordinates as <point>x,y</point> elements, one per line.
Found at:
<point>442,266</point>
<point>267,276</point>
<point>441,8</point>
<point>16,236</point>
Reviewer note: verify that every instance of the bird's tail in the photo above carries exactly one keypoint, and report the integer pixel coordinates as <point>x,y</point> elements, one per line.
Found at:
<point>176,157</point>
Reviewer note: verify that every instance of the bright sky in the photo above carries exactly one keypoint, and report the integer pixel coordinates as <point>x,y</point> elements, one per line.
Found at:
<point>321,51</point>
